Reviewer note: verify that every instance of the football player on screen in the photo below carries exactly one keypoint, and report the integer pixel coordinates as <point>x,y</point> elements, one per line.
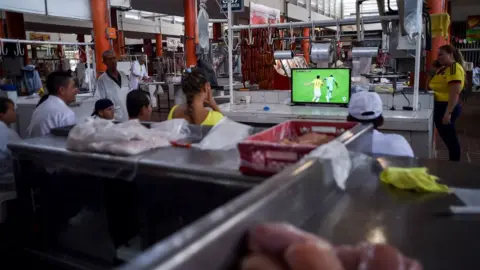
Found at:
<point>317,88</point>
<point>330,81</point>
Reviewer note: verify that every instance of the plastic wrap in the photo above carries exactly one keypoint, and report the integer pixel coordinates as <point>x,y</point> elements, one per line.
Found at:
<point>266,153</point>
<point>411,23</point>
<point>225,135</point>
<point>124,139</point>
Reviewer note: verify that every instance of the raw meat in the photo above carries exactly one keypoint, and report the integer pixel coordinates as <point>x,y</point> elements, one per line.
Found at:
<point>310,138</point>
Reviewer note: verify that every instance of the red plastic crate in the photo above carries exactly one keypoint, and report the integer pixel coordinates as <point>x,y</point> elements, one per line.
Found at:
<point>263,154</point>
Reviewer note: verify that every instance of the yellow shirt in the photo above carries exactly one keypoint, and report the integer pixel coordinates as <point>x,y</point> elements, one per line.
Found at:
<point>317,83</point>
<point>212,119</point>
<point>440,82</point>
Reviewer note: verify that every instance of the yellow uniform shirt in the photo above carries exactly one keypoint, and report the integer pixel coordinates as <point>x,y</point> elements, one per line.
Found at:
<point>317,83</point>
<point>440,82</point>
<point>212,119</point>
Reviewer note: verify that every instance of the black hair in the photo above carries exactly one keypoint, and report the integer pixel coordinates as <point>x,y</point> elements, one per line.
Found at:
<point>4,104</point>
<point>55,80</point>
<point>136,101</point>
<point>377,122</point>
<point>193,80</point>
<point>318,76</point>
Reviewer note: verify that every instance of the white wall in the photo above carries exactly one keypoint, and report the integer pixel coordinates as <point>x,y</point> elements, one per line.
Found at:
<point>32,6</point>
<point>278,4</point>
<point>143,25</point>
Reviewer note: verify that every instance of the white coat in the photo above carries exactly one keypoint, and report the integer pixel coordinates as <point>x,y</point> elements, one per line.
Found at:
<point>7,135</point>
<point>137,73</point>
<point>52,113</point>
<point>391,144</point>
<point>108,88</point>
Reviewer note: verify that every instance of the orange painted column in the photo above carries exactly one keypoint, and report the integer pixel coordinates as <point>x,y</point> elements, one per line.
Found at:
<point>306,45</point>
<point>16,30</point>
<point>190,32</point>
<point>158,45</point>
<point>436,7</point>
<point>100,18</point>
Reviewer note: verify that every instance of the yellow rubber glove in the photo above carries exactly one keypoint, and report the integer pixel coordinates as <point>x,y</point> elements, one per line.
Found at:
<point>417,179</point>
<point>41,92</point>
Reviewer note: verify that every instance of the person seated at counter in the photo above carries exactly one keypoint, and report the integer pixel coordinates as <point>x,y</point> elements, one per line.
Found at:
<point>104,109</point>
<point>8,116</point>
<point>367,107</point>
<point>138,106</point>
<point>52,110</point>
<point>114,85</point>
<point>198,93</point>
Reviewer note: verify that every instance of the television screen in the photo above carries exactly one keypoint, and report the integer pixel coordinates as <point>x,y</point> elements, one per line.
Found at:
<point>321,85</point>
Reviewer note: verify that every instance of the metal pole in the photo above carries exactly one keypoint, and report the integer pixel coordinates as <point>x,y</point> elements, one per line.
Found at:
<point>230,51</point>
<point>24,41</point>
<point>357,19</point>
<point>87,53</point>
<point>418,54</point>
<point>322,23</point>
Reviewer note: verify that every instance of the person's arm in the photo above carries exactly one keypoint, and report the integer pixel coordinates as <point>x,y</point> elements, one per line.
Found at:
<point>144,72</point>
<point>101,89</point>
<point>136,70</point>
<point>455,76</point>
<point>212,103</point>
<point>455,89</point>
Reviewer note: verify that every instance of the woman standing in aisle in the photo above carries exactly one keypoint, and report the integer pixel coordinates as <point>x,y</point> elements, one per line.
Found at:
<point>447,84</point>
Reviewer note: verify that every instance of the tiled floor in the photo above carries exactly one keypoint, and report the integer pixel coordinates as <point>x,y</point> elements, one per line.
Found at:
<point>468,127</point>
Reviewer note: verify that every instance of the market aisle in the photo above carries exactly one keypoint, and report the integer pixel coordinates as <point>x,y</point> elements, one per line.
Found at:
<point>468,131</point>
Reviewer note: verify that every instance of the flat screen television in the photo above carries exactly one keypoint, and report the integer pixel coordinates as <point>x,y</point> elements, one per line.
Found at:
<point>321,86</point>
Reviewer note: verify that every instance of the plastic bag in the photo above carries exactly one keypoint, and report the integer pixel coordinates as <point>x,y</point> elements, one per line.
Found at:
<point>225,135</point>
<point>411,23</point>
<point>343,161</point>
<point>127,138</point>
<point>176,128</point>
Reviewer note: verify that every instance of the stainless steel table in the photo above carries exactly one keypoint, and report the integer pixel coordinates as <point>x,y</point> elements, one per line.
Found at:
<point>367,211</point>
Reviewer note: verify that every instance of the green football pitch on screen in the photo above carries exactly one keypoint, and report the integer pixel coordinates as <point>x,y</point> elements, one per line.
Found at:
<point>321,86</point>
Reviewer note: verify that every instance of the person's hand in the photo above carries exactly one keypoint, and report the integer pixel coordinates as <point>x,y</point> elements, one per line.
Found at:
<point>279,246</point>
<point>210,99</point>
<point>446,119</point>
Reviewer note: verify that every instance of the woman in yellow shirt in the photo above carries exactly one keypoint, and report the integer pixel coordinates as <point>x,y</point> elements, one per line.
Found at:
<point>447,84</point>
<point>198,92</point>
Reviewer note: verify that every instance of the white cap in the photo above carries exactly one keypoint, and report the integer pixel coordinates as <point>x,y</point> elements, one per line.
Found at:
<point>365,105</point>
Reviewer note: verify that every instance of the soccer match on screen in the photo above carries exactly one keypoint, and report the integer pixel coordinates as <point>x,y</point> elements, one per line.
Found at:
<point>321,86</point>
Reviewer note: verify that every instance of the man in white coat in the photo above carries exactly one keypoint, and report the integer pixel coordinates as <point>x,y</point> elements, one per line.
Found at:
<point>53,111</point>
<point>138,73</point>
<point>113,85</point>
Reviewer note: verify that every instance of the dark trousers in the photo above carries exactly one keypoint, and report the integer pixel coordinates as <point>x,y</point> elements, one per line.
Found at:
<point>448,133</point>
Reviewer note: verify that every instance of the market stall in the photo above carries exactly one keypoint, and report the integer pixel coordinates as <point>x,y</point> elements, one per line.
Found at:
<point>100,209</point>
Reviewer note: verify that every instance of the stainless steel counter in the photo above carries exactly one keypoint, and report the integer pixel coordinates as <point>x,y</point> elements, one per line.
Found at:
<point>415,126</point>
<point>95,204</point>
<point>206,165</point>
<point>367,211</point>
<point>255,113</point>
